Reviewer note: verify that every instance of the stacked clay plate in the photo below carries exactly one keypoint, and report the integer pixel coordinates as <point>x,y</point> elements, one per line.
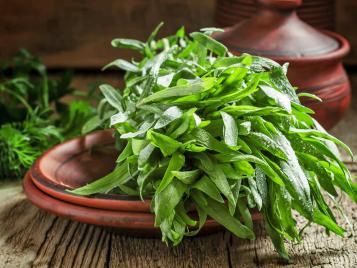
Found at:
<point>78,162</point>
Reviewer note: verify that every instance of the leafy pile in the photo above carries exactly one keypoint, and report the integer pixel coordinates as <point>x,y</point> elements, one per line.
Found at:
<point>207,131</point>
<point>32,116</point>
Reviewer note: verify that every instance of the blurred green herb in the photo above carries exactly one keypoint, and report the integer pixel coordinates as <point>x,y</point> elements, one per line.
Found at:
<point>224,133</point>
<point>32,115</point>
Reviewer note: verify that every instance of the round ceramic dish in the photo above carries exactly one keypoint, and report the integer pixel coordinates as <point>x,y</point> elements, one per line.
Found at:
<point>78,162</point>
<point>130,223</point>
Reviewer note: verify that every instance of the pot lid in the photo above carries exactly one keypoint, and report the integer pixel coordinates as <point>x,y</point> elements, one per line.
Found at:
<point>277,31</point>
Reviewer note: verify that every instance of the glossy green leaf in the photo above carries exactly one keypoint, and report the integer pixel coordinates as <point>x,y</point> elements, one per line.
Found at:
<point>128,43</point>
<point>166,144</point>
<point>230,131</point>
<point>206,186</point>
<point>220,213</point>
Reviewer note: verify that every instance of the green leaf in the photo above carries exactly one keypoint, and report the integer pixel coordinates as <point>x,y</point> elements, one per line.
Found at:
<point>128,43</point>
<point>313,164</point>
<point>280,99</point>
<point>176,163</point>
<point>187,177</point>
<point>323,135</point>
<point>154,32</point>
<point>244,128</point>
<point>245,213</point>
<point>322,219</point>
<point>177,91</point>
<point>220,213</point>
<point>125,153</point>
<point>251,158</point>
<point>296,181</point>
<point>255,193</point>
<point>112,96</point>
<point>167,200</point>
<point>210,30</point>
<point>263,142</point>
<point>209,43</point>
<point>166,144</point>
<point>103,185</point>
<point>168,116</point>
<point>206,186</point>
<point>124,65</point>
<point>92,124</point>
<point>243,110</point>
<point>215,173</point>
<point>261,185</point>
<point>145,154</point>
<point>182,213</point>
<point>230,131</point>
<point>137,145</point>
<point>205,139</point>
<point>141,131</point>
<point>309,95</point>
<point>277,240</point>
<point>118,118</point>
<point>281,82</point>
<point>236,95</point>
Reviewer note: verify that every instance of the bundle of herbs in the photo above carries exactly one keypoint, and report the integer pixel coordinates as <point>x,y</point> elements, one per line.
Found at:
<point>204,129</point>
<point>32,115</point>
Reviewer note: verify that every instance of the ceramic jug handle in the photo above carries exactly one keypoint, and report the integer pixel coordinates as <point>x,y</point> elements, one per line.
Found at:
<point>281,4</point>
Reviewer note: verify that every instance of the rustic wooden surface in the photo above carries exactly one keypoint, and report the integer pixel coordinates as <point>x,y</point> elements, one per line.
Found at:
<point>30,237</point>
<point>78,33</point>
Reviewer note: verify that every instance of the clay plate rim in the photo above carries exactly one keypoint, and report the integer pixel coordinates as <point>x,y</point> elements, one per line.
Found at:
<point>143,222</point>
<point>102,201</point>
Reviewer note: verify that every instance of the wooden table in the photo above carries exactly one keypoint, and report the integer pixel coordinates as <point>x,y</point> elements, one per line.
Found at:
<point>30,237</point>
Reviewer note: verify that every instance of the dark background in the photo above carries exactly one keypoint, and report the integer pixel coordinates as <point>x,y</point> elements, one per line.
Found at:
<point>77,33</point>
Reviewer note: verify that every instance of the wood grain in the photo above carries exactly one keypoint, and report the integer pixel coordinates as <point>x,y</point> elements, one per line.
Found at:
<point>32,238</point>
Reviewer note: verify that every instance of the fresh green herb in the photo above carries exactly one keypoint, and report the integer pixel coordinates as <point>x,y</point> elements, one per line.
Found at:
<point>32,116</point>
<point>222,133</point>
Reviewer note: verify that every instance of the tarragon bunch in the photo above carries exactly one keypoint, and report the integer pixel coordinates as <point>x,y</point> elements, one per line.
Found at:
<point>206,133</point>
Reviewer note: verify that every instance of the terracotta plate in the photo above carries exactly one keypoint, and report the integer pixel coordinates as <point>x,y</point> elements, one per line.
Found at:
<point>131,223</point>
<point>78,162</point>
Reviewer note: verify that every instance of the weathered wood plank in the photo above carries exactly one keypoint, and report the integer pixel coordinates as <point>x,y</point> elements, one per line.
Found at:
<point>209,251</point>
<point>23,230</point>
<point>316,250</point>
<point>30,237</point>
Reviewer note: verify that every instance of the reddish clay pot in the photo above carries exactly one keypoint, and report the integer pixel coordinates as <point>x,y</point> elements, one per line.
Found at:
<point>318,13</point>
<point>325,77</point>
<point>315,57</point>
